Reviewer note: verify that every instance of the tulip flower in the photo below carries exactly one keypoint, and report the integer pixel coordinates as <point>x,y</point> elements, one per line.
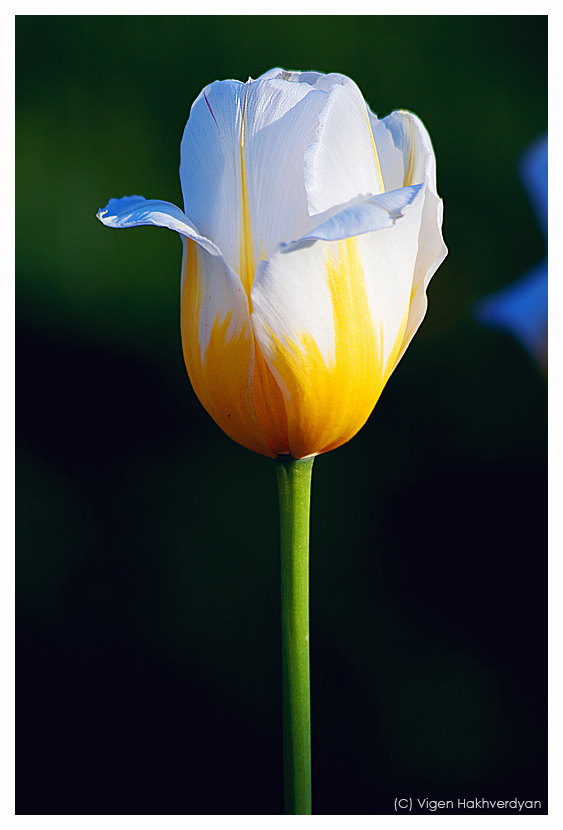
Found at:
<point>310,232</point>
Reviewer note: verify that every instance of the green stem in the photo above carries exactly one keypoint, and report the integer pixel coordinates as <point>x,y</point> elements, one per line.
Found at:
<point>294,487</point>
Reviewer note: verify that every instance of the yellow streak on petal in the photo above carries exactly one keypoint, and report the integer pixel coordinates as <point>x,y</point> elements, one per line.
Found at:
<point>268,400</point>
<point>379,174</point>
<point>221,377</point>
<point>247,258</point>
<point>410,161</point>
<point>329,401</point>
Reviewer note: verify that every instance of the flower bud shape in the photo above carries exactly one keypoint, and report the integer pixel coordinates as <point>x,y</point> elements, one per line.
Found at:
<point>310,232</point>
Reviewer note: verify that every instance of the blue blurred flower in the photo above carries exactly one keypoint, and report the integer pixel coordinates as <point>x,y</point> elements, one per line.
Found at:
<point>521,308</point>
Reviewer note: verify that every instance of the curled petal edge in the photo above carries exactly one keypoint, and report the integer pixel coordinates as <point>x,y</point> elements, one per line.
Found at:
<point>131,211</point>
<point>367,216</point>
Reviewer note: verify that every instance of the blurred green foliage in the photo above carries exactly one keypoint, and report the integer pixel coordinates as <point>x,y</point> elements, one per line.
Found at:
<point>147,556</point>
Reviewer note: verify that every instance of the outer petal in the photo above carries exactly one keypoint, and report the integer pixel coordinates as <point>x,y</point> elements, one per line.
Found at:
<point>242,144</point>
<point>130,211</point>
<point>373,214</point>
<point>330,319</point>
<point>218,345</point>
<point>407,158</point>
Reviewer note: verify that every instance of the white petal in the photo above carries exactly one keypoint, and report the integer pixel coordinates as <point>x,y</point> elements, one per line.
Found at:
<point>391,156</point>
<point>209,173</point>
<point>290,295</point>
<point>370,215</point>
<point>130,211</point>
<point>431,253</point>
<point>389,262</point>
<point>342,164</point>
<point>242,166</point>
<point>281,120</point>
<point>312,78</point>
<point>411,144</point>
<point>407,158</point>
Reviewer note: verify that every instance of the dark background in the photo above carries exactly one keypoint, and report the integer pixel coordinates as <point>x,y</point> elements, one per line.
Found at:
<point>148,634</point>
